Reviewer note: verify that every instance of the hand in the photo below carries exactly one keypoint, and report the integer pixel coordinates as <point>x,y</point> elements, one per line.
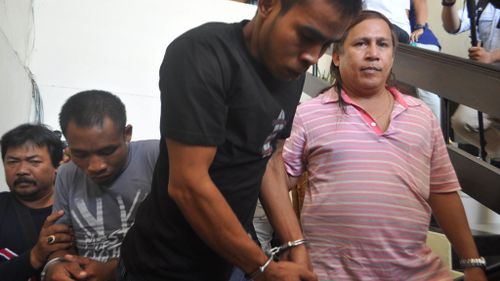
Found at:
<point>63,240</point>
<point>299,255</point>
<point>65,271</point>
<point>95,270</point>
<point>286,271</point>
<point>480,54</point>
<point>474,274</point>
<point>415,35</point>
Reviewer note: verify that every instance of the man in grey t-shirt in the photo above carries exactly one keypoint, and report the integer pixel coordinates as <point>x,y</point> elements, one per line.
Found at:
<point>102,187</point>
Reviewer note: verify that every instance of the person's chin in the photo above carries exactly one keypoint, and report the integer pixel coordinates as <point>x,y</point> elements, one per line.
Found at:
<point>289,75</point>
<point>102,180</point>
<point>27,194</point>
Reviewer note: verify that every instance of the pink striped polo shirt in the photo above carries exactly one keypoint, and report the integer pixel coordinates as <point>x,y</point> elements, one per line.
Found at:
<point>365,211</point>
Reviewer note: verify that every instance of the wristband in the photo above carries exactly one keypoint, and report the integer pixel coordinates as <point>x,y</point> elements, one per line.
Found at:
<point>46,267</point>
<point>419,26</point>
<point>474,262</point>
<point>447,3</point>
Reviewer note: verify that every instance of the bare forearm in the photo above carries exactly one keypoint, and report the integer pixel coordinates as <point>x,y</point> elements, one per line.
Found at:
<point>421,11</point>
<point>450,214</point>
<point>208,213</point>
<point>276,200</point>
<point>451,22</point>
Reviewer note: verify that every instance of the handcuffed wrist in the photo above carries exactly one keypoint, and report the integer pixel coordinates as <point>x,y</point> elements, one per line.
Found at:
<point>260,270</point>
<point>47,265</point>
<point>274,253</point>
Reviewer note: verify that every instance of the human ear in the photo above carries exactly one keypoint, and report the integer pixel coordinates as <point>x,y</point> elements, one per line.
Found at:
<point>127,133</point>
<point>335,59</point>
<point>265,7</point>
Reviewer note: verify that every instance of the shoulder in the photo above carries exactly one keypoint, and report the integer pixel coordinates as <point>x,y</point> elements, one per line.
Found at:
<point>206,35</point>
<point>67,168</point>
<point>324,100</point>
<point>68,173</point>
<point>145,146</point>
<point>144,153</point>
<point>5,197</point>
<point>5,202</point>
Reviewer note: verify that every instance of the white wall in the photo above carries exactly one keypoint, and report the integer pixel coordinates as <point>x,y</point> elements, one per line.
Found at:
<point>75,45</point>
<point>453,44</point>
<point>15,85</point>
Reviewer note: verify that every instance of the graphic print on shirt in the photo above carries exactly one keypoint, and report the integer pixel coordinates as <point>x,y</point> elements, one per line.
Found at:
<point>279,124</point>
<point>7,254</point>
<point>93,240</point>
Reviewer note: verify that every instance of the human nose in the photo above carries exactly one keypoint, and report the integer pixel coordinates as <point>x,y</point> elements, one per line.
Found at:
<point>372,51</point>
<point>22,168</point>
<point>96,165</point>
<point>311,55</point>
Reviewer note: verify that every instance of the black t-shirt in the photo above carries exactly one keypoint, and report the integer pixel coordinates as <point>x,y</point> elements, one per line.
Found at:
<point>15,262</point>
<point>213,93</point>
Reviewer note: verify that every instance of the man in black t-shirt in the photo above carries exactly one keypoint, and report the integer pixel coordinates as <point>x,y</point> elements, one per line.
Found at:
<point>228,97</point>
<point>31,154</point>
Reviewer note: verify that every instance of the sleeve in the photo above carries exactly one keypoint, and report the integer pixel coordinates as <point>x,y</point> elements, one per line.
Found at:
<point>18,268</point>
<point>291,106</point>
<point>193,109</point>
<point>153,151</point>
<point>294,149</point>
<point>61,195</point>
<point>442,175</point>
<point>13,267</point>
<point>463,15</point>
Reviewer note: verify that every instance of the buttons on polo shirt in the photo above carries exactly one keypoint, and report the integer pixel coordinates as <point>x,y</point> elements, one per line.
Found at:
<point>373,124</point>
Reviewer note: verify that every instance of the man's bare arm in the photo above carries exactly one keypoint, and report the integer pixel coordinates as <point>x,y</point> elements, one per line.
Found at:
<point>209,214</point>
<point>275,199</point>
<point>449,212</point>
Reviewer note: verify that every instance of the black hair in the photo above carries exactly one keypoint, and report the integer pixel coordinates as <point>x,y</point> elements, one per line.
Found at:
<point>36,134</point>
<point>89,108</point>
<point>347,8</point>
<point>338,48</point>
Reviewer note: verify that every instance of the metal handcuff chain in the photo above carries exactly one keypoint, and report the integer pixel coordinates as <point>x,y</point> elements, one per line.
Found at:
<point>277,251</point>
<point>273,254</point>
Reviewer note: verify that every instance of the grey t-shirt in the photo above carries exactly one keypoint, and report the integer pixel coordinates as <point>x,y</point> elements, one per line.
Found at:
<point>101,215</point>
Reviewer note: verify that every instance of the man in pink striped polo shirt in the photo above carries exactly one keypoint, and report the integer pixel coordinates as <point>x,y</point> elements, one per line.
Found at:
<point>378,167</point>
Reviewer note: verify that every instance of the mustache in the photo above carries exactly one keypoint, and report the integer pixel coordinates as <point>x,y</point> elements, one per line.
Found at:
<point>22,180</point>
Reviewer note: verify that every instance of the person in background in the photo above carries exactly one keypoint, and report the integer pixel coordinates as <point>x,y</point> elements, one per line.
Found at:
<point>396,12</point>
<point>31,154</point>
<point>465,121</point>
<point>228,97</point>
<point>377,167</point>
<point>423,37</point>
<point>102,186</point>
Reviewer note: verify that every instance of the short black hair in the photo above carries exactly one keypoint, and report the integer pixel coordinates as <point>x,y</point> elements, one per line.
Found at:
<point>346,8</point>
<point>36,134</point>
<point>89,108</point>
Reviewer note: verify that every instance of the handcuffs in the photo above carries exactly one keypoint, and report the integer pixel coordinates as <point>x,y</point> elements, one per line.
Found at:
<point>273,254</point>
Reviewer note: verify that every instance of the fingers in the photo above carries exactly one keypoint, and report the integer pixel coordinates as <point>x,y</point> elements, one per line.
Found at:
<point>53,218</point>
<point>307,275</point>
<point>60,237</point>
<point>65,271</point>
<point>283,270</point>
<point>74,269</point>
<point>415,35</point>
<point>82,261</point>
